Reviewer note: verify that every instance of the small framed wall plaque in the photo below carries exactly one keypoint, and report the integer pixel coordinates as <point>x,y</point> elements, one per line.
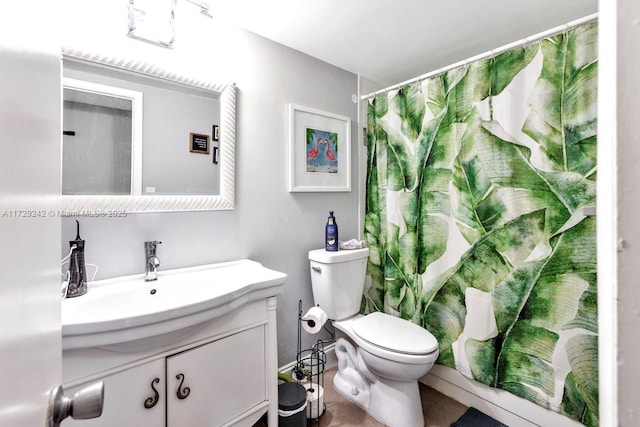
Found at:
<point>199,143</point>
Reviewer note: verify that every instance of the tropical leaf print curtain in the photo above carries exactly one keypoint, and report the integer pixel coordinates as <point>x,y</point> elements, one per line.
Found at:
<point>476,183</point>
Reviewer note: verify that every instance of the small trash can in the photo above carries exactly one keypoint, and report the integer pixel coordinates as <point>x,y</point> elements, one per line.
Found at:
<point>292,402</point>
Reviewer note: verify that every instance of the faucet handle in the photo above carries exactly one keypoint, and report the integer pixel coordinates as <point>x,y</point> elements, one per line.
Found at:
<point>152,244</point>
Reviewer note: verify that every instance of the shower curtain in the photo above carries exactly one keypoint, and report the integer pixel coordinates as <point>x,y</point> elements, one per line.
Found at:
<point>477,180</point>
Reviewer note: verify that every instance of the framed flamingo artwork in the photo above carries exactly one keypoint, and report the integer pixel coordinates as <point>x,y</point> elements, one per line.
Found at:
<point>319,150</point>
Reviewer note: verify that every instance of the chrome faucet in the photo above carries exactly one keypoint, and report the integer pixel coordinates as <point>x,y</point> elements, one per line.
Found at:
<point>152,261</point>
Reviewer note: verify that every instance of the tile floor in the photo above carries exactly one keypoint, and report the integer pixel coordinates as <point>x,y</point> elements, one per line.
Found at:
<point>439,410</point>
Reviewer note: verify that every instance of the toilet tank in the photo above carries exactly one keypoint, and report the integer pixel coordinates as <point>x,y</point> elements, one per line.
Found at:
<point>337,279</point>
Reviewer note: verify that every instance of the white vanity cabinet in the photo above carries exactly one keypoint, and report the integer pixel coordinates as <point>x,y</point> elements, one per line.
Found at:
<point>133,397</point>
<point>212,384</point>
<point>225,374</point>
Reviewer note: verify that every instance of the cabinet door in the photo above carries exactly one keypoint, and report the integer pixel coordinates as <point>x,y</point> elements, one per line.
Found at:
<point>214,383</point>
<point>132,398</point>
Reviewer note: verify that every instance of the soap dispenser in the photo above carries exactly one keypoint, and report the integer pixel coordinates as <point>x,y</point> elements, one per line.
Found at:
<point>331,233</point>
<point>77,273</point>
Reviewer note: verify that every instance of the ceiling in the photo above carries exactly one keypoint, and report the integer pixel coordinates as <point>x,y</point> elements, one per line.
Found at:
<point>390,41</point>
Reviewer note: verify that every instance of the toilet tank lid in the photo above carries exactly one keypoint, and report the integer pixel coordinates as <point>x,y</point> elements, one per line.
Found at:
<point>394,333</point>
<point>328,257</point>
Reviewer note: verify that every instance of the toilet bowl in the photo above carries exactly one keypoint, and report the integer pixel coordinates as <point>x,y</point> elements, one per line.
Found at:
<point>392,347</point>
<point>389,366</point>
<point>383,357</point>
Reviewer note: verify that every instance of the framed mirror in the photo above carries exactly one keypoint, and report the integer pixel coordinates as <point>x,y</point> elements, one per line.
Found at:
<point>188,165</point>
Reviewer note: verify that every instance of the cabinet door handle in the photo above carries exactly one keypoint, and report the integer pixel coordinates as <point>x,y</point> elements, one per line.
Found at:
<point>182,393</point>
<point>153,400</point>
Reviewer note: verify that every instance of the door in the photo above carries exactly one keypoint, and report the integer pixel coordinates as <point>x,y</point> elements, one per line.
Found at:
<point>30,343</point>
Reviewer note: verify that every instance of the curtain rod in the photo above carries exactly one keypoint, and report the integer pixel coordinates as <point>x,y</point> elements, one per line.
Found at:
<point>494,52</point>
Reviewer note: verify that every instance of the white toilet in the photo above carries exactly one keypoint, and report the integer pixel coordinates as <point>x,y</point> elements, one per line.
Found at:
<point>380,373</point>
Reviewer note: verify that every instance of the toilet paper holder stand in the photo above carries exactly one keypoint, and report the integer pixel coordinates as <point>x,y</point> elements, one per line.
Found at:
<point>309,370</point>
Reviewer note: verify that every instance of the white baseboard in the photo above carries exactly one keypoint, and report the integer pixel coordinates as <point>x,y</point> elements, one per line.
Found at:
<point>505,407</point>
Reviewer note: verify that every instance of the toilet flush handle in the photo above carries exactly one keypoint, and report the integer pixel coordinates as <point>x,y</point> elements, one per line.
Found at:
<point>316,269</point>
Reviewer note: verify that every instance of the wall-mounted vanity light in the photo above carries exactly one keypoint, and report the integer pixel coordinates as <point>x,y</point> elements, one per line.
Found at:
<point>153,21</point>
<point>204,7</point>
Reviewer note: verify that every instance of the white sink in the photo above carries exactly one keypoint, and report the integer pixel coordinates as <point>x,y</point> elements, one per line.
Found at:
<point>129,314</point>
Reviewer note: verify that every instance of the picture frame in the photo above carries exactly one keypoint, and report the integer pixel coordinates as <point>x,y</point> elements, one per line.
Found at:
<point>199,143</point>
<point>319,150</point>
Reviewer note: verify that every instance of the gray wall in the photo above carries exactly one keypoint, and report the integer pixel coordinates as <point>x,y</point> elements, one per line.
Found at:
<point>269,225</point>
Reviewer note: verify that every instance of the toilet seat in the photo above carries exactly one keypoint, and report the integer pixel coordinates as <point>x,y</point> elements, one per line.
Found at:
<point>394,334</point>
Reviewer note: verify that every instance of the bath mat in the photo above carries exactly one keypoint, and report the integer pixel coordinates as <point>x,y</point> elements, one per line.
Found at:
<point>475,418</point>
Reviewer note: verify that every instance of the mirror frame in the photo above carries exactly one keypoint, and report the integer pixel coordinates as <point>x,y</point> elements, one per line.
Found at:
<point>125,204</point>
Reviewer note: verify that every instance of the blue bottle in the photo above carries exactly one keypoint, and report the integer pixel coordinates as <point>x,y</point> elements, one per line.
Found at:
<point>331,234</point>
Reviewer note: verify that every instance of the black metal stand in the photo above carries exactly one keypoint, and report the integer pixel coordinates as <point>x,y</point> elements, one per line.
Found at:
<point>309,371</point>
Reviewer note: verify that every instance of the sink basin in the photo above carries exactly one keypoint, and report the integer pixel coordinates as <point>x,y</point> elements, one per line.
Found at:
<point>129,314</point>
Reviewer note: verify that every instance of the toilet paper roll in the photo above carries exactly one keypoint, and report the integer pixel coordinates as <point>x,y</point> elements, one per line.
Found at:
<point>314,320</point>
<point>315,400</point>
